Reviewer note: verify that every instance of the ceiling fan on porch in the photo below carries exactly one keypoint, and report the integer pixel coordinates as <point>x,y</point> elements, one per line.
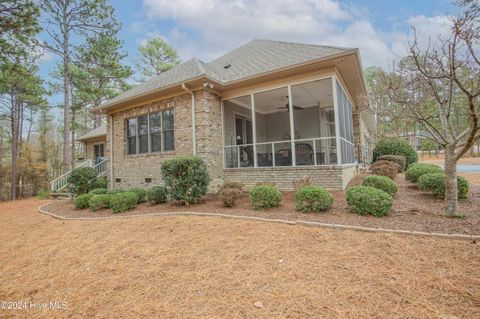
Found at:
<point>286,108</point>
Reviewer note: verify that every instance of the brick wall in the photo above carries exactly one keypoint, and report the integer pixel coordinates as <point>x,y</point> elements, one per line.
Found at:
<point>330,177</point>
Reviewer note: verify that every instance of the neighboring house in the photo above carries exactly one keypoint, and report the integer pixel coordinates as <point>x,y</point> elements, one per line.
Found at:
<point>266,112</point>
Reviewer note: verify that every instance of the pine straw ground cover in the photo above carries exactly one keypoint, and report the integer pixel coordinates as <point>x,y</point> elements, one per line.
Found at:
<point>413,210</point>
<point>197,267</point>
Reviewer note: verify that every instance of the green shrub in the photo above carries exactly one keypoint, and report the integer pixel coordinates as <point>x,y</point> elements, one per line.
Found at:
<point>313,199</point>
<point>380,182</point>
<point>234,185</point>
<point>385,168</point>
<point>435,183</point>
<point>265,196</point>
<point>418,169</point>
<point>114,191</point>
<point>81,202</point>
<point>140,192</point>
<point>123,201</point>
<point>81,179</point>
<point>399,159</point>
<point>43,194</point>
<point>99,201</point>
<point>100,182</point>
<point>98,191</point>
<point>157,194</point>
<point>395,146</point>
<point>186,178</point>
<point>366,200</point>
<point>229,195</point>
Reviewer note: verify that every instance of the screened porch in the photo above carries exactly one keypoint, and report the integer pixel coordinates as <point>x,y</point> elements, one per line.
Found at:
<point>296,125</point>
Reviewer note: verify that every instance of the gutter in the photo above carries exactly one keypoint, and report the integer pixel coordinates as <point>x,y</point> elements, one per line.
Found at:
<point>194,131</point>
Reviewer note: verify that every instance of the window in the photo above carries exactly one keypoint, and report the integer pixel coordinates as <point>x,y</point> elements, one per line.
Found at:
<point>151,133</point>
<point>132,136</point>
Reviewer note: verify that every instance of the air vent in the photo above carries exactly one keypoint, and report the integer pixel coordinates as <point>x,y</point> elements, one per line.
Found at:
<point>118,180</point>
<point>148,180</point>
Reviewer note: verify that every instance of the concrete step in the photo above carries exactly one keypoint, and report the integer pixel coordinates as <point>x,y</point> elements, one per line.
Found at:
<point>60,195</point>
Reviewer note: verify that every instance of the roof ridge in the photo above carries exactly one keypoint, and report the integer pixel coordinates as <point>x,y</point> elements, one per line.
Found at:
<point>302,43</point>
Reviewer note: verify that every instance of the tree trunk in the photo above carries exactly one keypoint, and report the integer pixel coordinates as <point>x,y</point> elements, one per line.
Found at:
<point>15,121</point>
<point>72,164</point>
<point>451,191</point>
<point>66,93</point>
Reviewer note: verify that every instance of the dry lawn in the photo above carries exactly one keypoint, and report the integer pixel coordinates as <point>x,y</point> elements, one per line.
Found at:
<point>204,267</point>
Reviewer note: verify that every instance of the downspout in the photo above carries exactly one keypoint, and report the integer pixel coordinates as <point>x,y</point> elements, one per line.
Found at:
<point>194,131</point>
<point>111,150</point>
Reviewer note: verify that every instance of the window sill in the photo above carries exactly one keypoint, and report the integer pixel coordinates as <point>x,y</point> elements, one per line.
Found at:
<point>154,154</point>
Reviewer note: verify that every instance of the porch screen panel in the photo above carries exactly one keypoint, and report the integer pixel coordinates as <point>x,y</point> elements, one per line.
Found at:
<point>238,132</point>
<point>347,146</point>
<point>314,123</point>
<point>273,134</point>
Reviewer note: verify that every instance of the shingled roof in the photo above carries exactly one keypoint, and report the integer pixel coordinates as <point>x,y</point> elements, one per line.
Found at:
<point>98,132</point>
<point>254,58</point>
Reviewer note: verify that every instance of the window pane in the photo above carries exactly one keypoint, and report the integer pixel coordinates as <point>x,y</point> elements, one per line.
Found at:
<point>168,141</point>
<point>155,123</point>
<point>167,120</point>
<point>143,146</point>
<point>237,125</point>
<point>156,142</point>
<point>142,125</point>
<point>132,145</point>
<point>132,127</point>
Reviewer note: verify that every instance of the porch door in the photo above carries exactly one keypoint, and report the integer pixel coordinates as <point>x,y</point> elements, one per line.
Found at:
<point>244,135</point>
<point>98,153</point>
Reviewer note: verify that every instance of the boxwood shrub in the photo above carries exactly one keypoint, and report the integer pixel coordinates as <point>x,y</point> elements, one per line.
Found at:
<point>81,180</point>
<point>81,202</point>
<point>265,196</point>
<point>114,191</point>
<point>313,199</point>
<point>98,191</point>
<point>99,201</point>
<point>100,182</point>
<point>124,201</point>
<point>157,194</point>
<point>418,169</point>
<point>435,183</point>
<point>186,178</point>
<point>395,146</point>
<point>229,196</point>
<point>385,168</point>
<point>399,159</point>
<point>381,182</point>
<point>366,200</point>
<point>140,192</point>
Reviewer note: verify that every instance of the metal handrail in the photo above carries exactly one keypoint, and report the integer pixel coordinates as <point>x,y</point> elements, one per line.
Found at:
<point>101,167</point>
<point>61,181</point>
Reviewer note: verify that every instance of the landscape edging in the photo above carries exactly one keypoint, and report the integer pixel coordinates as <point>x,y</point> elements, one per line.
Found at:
<point>278,221</point>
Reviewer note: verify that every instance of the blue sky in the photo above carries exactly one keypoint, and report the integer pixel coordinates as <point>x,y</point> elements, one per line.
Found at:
<point>208,28</point>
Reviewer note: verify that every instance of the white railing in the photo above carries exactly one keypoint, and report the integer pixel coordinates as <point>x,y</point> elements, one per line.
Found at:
<point>101,168</point>
<point>61,182</point>
<point>235,158</point>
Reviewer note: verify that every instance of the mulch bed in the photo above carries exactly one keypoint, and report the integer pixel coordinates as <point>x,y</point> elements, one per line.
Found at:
<point>413,210</point>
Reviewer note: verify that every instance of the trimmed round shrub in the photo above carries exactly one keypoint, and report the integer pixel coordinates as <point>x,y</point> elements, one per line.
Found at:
<point>265,196</point>
<point>81,202</point>
<point>395,146</point>
<point>186,178</point>
<point>122,202</point>
<point>366,200</point>
<point>140,192</point>
<point>98,191</point>
<point>313,199</point>
<point>114,191</point>
<point>399,159</point>
<point>435,183</point>
<point>229,196</point>
<point>381,182</point>
<point>385,168</point>
<point>100,182</point>
<point>81,179</point>
<point>418,169</point>
<point>157,194</point>
<point>99,201</point>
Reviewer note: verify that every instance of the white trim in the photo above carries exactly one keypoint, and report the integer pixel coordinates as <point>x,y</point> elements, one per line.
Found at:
<point>292,125</point>
<point>222,115</point>
<point>254,129</point>
<point>337,120</point>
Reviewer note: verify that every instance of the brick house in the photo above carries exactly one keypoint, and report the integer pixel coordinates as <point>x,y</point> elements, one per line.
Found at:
<point>267,111</point>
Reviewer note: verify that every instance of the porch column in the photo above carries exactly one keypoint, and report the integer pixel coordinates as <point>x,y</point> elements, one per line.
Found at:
<point>254,129</point>
<point>292,128</point>
<point>337,120</point>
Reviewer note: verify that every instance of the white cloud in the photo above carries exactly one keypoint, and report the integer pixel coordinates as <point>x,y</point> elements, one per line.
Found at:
<point>219,26</point>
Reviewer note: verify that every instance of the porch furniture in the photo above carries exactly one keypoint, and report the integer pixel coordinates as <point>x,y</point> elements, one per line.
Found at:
<point>304,154</point>
<point>283,157</point>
